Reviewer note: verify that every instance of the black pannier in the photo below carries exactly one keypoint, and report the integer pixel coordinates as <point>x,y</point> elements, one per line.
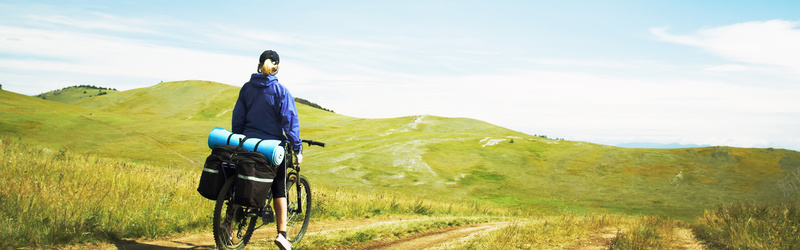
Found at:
<point>217,168</point>
<point>254,178</point>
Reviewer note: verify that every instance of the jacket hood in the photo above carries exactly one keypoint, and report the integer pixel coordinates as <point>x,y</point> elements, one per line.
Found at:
<point>261,81</point>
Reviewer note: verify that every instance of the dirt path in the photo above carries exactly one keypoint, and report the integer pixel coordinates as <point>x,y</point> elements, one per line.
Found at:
<point>262,237</point>
<point>686,240</point>
<point>602,240</point>
<point>596,241</point>
<point>206,240</point>
<point>431,239</point>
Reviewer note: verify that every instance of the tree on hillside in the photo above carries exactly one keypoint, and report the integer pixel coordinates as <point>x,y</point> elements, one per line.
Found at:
<point>1,86</point>
<point>311,104</point>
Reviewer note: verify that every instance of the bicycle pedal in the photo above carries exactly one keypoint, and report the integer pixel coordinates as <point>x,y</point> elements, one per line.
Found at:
<point>267,217</point>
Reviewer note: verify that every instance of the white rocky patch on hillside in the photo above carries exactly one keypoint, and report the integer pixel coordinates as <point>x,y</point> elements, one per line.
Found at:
<point>488,141</point>
<point>407,127</point>
<point>409,156</point>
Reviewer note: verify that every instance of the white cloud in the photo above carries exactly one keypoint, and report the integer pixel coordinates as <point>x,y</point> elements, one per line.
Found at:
<point>772,43</point>
<point>96,21</point>
<point>87,53</point>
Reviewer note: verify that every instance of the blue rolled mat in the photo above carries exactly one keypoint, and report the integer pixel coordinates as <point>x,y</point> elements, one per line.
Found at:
<point>269,148</point>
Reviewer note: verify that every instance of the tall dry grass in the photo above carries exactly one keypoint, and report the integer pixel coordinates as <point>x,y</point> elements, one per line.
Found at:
<point>541,232</point>
<point>751,226</point>
<point>568,231</point>
<point>649,232</point>
<point>54,196</point>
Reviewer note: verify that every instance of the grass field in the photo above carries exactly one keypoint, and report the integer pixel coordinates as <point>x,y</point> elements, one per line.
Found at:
<point>418,160</point>
<point>61,197</point>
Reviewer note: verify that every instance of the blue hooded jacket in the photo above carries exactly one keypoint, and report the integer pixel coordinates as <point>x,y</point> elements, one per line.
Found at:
<point>266,110</point>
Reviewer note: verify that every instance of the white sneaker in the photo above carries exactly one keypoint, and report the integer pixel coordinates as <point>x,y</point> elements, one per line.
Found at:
<point>283,243</point>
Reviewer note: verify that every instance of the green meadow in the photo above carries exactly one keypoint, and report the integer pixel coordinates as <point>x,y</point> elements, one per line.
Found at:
<point>74,94</point>
<point>74,161</point>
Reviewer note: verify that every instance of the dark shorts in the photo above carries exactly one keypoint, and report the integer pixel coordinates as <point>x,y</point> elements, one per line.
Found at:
<point>279,183</point>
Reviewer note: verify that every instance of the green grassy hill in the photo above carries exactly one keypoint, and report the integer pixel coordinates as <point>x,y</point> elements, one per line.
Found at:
<point>426,155</point>
<point>75,94</point>
<point>184,100</point>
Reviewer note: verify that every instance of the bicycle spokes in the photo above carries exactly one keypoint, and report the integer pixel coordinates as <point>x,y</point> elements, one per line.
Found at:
<point>233,226</point>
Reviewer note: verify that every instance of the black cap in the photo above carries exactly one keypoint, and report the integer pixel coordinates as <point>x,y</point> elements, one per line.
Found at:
<point>269,54</point>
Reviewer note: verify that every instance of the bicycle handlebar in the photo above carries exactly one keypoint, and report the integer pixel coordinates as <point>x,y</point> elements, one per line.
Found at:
<point>314,143</point>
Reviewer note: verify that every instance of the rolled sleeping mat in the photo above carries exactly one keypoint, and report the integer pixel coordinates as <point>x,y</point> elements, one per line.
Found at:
<point>271,149</point>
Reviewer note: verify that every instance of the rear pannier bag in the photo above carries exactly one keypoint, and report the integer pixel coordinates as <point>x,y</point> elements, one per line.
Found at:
<point>217,168</point>
<point>254,177</point>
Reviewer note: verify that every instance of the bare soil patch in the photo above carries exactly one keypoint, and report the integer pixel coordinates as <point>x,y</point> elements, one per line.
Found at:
<point>431,239</point>
<point>596,241</point>
<point>686,240</point>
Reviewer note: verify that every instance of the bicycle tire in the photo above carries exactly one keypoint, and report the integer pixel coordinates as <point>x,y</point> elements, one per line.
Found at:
<point>298,207</point>
<point>238,220</point>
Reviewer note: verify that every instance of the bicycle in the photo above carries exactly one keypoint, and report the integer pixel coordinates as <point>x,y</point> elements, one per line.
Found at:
<point>233,228</point>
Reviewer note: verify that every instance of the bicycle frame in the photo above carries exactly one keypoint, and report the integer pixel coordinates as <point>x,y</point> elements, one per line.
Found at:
<point>295,173</point>
<point>292,173</point>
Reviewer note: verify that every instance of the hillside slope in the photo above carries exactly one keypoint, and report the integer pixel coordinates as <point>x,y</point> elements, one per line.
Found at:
<point>58,126</point>
<point>184,100</point>
<point>427,155</point>
<point>73,94</point>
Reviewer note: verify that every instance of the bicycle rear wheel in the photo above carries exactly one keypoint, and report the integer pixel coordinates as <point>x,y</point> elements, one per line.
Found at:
<point>233,224</point>
<point>298,207</point>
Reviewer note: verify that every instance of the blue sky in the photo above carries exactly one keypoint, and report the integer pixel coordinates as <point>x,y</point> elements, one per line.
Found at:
<point>689,72</point>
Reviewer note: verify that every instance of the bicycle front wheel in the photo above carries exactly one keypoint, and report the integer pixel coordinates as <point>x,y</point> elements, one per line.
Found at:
<point>298,192</point>
<point>232,224</point>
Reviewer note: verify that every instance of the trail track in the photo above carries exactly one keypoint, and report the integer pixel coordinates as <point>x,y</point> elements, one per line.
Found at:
<point>602,240</point>
<point>687,239</point>
<point>596,241</point>
<point>431,239</point>
<point>206,240</point>
<point>263,237</point>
